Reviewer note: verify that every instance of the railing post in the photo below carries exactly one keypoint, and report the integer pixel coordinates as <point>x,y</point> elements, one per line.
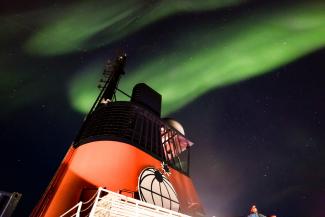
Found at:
<point>92,212</point>
<point>79,209</point>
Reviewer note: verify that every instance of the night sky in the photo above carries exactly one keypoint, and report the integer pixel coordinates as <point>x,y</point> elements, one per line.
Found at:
<point>245,78</point>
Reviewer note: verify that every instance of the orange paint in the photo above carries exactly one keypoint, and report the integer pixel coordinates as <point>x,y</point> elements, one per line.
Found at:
<point>110,164</point>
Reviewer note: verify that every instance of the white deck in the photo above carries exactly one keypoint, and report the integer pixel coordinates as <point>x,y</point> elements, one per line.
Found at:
<point>110,204</point>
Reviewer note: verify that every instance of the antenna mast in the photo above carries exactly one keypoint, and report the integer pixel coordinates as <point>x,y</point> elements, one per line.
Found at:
<point>112,74</point>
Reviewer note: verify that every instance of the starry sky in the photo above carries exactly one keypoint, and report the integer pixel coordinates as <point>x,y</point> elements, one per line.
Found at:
<point>245,78</point>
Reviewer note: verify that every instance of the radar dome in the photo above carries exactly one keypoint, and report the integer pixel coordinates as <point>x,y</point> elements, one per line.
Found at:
<point>175,124</point>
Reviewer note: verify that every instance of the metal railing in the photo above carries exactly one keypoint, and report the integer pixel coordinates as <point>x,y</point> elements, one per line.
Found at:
<point>74,211</point>
<point>129,122</point>
<point>111,204</point>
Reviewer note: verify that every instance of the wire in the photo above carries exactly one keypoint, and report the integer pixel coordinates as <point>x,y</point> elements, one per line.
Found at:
<point>123,92</point>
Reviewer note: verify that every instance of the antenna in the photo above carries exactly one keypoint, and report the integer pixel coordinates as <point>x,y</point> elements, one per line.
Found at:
<point>108,86</point>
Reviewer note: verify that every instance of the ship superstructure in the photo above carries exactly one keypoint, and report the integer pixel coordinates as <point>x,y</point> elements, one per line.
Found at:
<point>125,161</point>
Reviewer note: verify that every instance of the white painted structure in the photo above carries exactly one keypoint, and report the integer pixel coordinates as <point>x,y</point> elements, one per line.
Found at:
<point>106,203</point>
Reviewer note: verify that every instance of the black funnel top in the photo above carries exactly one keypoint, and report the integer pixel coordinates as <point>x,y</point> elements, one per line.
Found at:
<point>147,97</point>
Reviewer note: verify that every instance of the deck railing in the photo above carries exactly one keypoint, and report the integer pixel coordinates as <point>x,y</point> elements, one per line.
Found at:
<point>111,204</point>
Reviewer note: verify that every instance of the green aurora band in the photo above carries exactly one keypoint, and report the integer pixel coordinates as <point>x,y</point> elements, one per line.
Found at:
<point>70,28</point>
<point>205,58</point>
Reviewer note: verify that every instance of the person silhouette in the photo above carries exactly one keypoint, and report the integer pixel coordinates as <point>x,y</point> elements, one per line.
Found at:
<point>254,212</point>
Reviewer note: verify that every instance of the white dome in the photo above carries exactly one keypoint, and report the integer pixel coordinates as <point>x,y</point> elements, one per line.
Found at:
<point>175,124</point>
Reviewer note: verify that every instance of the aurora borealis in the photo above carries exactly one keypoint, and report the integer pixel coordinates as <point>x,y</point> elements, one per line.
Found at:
<point>246,45</point>
<point>244,77</point>
<point>236,52</point>
<point>68,29</point>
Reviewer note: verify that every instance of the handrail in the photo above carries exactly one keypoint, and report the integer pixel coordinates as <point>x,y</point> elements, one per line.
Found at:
<point>109,203</point>
<point>77,214</point>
